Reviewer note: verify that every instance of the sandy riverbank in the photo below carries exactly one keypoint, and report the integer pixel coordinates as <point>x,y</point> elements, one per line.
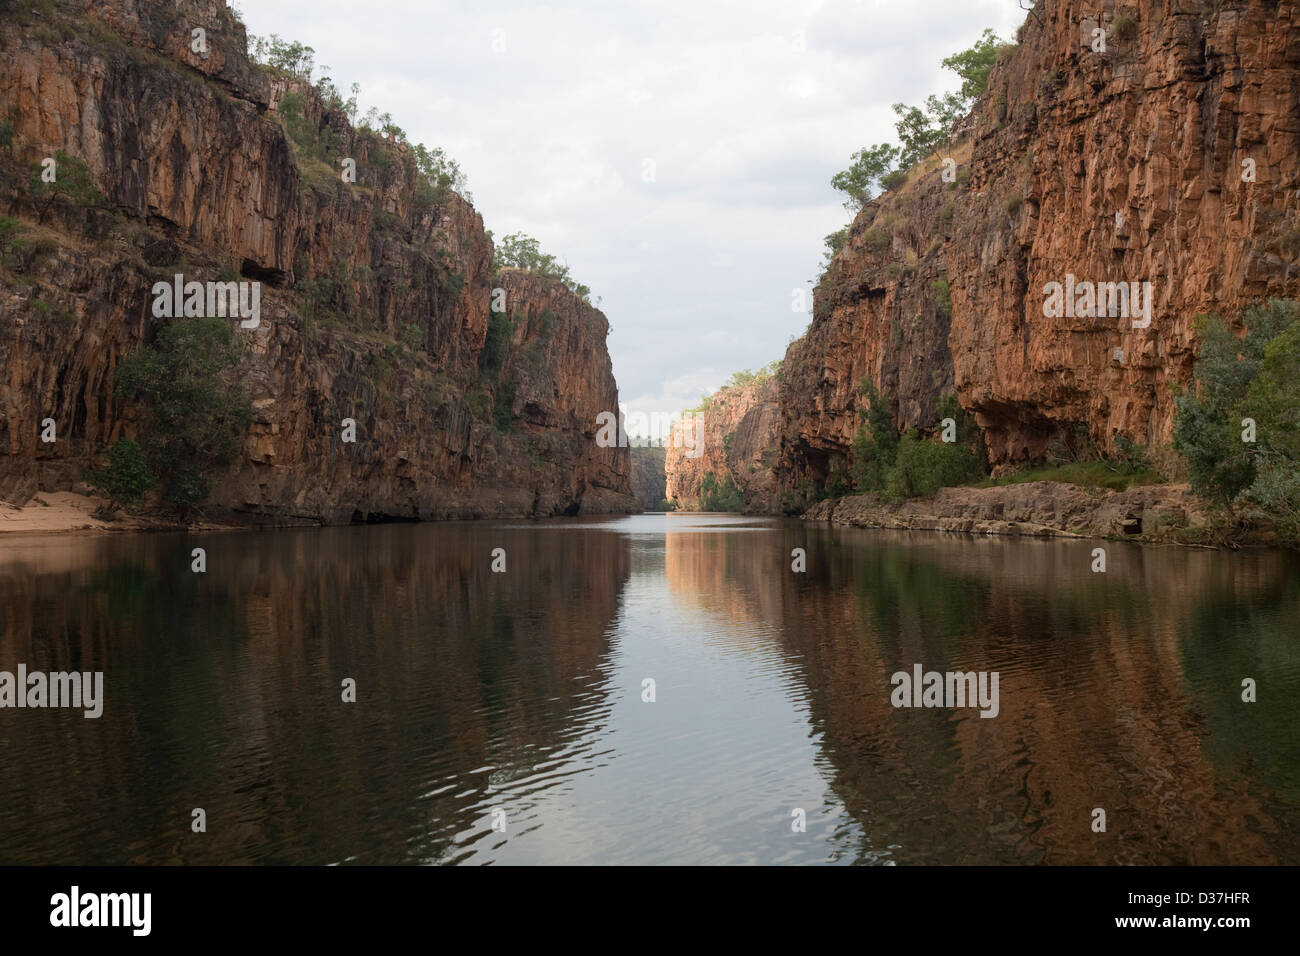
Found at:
<point>64,512</point>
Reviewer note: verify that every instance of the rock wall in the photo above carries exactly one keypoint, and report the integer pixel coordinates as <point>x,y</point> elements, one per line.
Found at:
<point>375,294</point>
<point>1123,166</point>
<point>735,436</point>
<point>649,477</point>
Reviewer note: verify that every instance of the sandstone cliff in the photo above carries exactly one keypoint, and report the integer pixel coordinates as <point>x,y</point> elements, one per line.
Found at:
<point>649,477</point>
<point>1124,166</point>
<point>375,294</point>
<point>734,436</point>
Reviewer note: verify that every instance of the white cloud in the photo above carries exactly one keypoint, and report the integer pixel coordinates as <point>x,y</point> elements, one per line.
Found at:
<point>695,269</point>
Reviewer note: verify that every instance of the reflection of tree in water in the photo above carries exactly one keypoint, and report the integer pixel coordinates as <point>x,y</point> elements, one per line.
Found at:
<point>1097,705</point>
<point>1227,637</point>
<point>224,692</point>
<point>133,618</point>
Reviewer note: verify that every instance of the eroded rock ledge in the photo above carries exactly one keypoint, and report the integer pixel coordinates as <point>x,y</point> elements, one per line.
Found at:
<point>1035,509</point>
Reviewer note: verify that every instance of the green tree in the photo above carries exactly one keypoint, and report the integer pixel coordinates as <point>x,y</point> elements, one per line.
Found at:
<point>1274,401</point>
<point>193,419</point>
<point>438,168</point>
<point>924,465</point>
<point>287,57</point>
<point>520,251</point>
<point>500,328</point>
<point>72,184</point>
<point>127,478</point>
<point>875,446</point>
<point>439,173</point>
<point>973,65</point>
<point>969,436</point>
<point>720,495</point>
<point>503,407</point>
<point>1228,387</point>
<point>834,243</point>
<point>913,465</point>
<point>919,132</point>
<point>946,110</point>
<point>1273,396</point>
<point>870,165</point>
<point>881,421</point>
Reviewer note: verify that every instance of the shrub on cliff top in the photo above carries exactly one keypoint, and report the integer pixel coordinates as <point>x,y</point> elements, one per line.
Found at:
<point>520,251</point>
<point>748,377</point>
<point>285,57</point>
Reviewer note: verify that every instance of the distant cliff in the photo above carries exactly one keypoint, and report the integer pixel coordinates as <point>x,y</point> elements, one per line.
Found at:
<point>375,294</point>
<point>732,437</point>
<point>649,479</point>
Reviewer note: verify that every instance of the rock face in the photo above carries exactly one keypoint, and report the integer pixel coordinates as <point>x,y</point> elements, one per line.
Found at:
<point>375,295</point>
<point>735,436</point>
<point>1172,158</point>
<point>649,479</point>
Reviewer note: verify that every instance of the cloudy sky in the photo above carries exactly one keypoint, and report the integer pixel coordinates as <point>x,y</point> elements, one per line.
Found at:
<point>676,153</point>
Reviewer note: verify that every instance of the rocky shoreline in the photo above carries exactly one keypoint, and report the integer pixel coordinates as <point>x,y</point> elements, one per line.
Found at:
<point>1164,513</point>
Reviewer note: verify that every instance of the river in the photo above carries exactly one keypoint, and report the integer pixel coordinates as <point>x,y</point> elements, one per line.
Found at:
<point>506,716</point>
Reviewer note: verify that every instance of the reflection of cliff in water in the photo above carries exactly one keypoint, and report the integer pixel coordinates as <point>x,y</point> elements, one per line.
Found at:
<point>1110,687</point>
<point>234,677</point>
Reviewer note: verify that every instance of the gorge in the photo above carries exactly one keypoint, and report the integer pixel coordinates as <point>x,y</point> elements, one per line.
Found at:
<point>1172,157</point>
<point>1164,161</point>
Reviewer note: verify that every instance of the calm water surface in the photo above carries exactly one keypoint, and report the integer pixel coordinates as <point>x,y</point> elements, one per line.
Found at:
<point>522,692</point>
